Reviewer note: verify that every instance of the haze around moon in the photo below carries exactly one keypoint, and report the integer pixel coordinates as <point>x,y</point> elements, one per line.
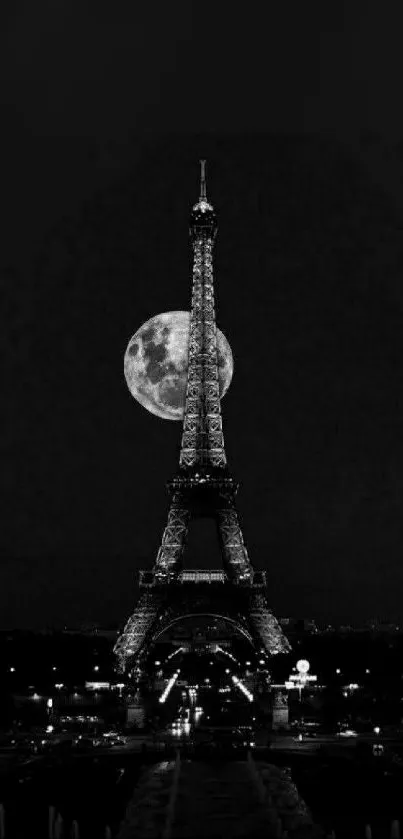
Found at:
<point>156,363</point>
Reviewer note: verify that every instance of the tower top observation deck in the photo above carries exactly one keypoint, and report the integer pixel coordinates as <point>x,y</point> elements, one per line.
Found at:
<point>203,220</point>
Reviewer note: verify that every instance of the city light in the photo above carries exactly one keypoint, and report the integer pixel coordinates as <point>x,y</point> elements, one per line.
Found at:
<point>12,669</point>
<point>96,668</point>
<point>301,678</point>
<point>219,649</point>
<point>169,686</point>
<point>377,730</point>
<point>242,687</point>
<point>157,663</point>
<point>338,670</point>
<point>303,666</point>
<point>175,652</point>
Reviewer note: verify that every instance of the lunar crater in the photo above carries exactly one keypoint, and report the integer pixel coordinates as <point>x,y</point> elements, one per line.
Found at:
<point>156,362</point>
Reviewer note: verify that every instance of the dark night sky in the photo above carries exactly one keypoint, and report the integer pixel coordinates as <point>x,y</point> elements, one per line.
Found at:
<point>107,112</point>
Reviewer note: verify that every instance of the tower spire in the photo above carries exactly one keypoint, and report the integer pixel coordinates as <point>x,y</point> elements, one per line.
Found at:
<point>203,194</point>
<point>202,487</point>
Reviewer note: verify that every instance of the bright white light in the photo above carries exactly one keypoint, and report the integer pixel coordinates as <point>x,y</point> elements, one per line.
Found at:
<point>262,661</point>
<point>242,687</point>
<point>36,696</point>
<point>227,670</point>
<point>49,729</point>
<point>12,669</point>
<point>221,650</point>
<point>377,730</point>
<point>247,663</point>
<point>96,667</point>
<point>49,702</point>
<point>157,663</point>
<point>338,670</point>
<point>59,685</point>
<point>169,686</point>
<point>54,668</point>
<point>303,665</point>
<point>175,652</point>
<point>353,686</point>
<point>207,681</point>
<point>367,670</point>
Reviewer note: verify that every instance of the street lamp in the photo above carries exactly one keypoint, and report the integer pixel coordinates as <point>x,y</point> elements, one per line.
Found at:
<point>302,670</point>
<point>301,677</point>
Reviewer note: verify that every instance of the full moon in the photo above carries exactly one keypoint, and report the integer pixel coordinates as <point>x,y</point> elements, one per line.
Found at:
<point>156,364</point>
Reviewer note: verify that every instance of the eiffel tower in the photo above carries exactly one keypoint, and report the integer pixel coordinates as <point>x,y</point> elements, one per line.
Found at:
<point>202,487</point>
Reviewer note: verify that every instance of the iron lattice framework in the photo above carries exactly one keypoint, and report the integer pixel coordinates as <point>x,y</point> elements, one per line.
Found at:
<point>202,487</point>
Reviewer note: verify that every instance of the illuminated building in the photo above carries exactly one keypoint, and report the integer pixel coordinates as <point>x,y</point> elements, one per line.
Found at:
<point>202,488</point>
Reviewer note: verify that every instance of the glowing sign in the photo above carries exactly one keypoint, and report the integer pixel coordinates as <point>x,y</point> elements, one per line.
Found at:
<point>297,679</point>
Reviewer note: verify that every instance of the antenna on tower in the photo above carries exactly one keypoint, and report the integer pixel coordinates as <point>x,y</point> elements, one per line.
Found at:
<point>203,196</point>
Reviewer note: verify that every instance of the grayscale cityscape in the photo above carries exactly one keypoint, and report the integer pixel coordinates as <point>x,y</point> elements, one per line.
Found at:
<point>201,621</point>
